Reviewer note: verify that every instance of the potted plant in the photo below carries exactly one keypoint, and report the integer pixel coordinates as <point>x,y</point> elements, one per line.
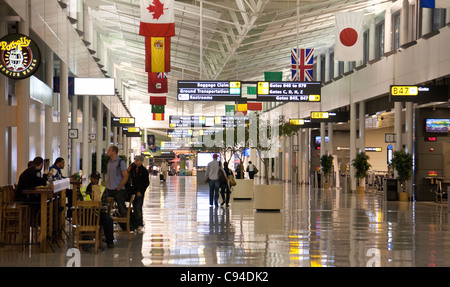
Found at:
<point>326,163</point>
<point>362,166</point>
<point>403,163</point>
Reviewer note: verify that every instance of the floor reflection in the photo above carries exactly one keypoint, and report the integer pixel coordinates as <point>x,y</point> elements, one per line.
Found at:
<point>316,227</point>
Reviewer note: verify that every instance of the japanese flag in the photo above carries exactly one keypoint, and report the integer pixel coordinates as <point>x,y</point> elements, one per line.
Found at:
<point>349,36</point>
<point>157,18</point>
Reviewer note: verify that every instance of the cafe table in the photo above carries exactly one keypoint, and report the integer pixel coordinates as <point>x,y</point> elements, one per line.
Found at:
<point>47,196</point>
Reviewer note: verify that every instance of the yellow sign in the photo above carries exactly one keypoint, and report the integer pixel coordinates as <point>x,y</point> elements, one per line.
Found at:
<point>235,84</point>
<point>404,90</point>
<point>126,120</point>
<point>134,130</point>
<point>320,115</point>
<point>314,98</point>
<point>297,122</point>
<point>263,88</point>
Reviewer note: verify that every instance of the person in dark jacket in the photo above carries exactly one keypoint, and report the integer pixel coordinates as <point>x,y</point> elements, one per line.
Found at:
<point>30,179</point>
<point>225,188</point>
<point>139,181</point>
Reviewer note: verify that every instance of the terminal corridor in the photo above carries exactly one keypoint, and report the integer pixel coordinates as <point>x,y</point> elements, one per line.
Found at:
<point>316,228</point>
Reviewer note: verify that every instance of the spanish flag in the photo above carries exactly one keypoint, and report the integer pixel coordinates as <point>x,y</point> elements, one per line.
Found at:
<point>157,54</point>
<point>158,117</point>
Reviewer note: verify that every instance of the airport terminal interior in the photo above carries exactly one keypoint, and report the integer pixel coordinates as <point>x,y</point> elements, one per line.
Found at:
<point>333,117</point>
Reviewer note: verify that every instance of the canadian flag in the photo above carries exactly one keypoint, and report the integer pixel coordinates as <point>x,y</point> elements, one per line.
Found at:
<point>157,18</point>
<point>349,36</point>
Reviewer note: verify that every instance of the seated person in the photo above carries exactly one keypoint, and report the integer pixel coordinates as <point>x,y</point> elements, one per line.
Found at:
<point>105,218</point>
<point>30,179</point>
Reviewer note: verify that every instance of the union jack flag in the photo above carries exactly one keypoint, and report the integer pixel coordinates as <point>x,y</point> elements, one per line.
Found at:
<point>162,75</point>
<point>305,65</point>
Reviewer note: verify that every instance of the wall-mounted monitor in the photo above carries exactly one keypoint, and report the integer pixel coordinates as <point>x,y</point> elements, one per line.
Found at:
<point>203,158</point>
<point>318,140</point>
<point>438,126</point>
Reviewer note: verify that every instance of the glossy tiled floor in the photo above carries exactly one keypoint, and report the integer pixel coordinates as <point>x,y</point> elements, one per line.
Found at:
<point>316,228</point>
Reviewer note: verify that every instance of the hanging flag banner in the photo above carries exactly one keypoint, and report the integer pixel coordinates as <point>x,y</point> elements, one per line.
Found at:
<point>442,4</point>
<point>20,56</point>
<point>159,101</point>
<point>157,54</point>
<point>158,117</point>
<point>158,109</point>
<point>302,65</point>
<point>157,18</point>
<point>157,83</point>
<point>349,36</point>
<point>254,106</point>
<point>273,76</point>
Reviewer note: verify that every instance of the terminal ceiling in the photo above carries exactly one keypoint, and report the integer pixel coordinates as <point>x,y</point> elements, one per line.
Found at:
<point>241,39</point>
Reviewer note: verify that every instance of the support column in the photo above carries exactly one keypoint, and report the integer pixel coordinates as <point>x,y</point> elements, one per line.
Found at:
<point>48,109</point>
<point>108,130</point>
<point>23,105</point>
<point>372,38</point>
<point>398,125</point>
<point>404,18</point>
<point>327,66</point>
<point>427,18</point>
<point>409,138</point>
<point>300,170</point>
<point>4,83</point>
<point>64,115</point>
<point>330,139</point>
<point>362,126</point>
<point>322,139</point>
<point>85,143</point>
<point>115,135</point>
<point>73,142</point>
<point>307,155</point>
<point>388,29</point>
<point>352,143</point>
<point>99,137</point>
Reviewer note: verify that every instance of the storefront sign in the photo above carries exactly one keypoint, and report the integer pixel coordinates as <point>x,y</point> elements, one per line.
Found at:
<point>19,56</point>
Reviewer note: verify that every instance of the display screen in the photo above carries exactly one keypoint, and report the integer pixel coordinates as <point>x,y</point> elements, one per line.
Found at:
<point>318,140</point>
<point>204,158</point>
<point>289,91</point>
<point>441,126</point>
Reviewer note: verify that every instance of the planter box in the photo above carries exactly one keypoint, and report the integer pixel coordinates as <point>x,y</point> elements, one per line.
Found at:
<point>268,197</point>
<point>243,189</point>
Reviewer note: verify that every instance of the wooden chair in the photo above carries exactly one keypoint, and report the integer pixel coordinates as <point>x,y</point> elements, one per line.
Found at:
<point>86,223</point>
<point>14,218</point>
<point>126,220</point>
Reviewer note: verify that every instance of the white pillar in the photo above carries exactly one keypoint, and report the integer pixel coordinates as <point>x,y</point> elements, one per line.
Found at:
<point>85,144</point>
<point>23,104</point>
<point>330,139</point>
<point>115,135</point>
<point>307,155</point>
<point>64,115</point>
<point>48,109</point>
<point>427,18</point>
<point>388,29</point>
<point>327,66</point>
<point>404,18</point>
<point>4,166</point>
<point>362,126</point>
<point>300,170</point>
<point>73,142</point>
<point>372,47</point>
<point>108,130</point>
<point>352,143</point>
<point>398,125</point>
<point>99,137</point>
<point>322,139</point>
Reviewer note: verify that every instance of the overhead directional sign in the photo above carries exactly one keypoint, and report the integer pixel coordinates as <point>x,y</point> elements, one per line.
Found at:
<point>419,94</point>
<point>209,91</point>
<point>123,122</point>
<point>304,123</point>
<point>131,132</point>
<point>289,91</point>
<point>329,117</point>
